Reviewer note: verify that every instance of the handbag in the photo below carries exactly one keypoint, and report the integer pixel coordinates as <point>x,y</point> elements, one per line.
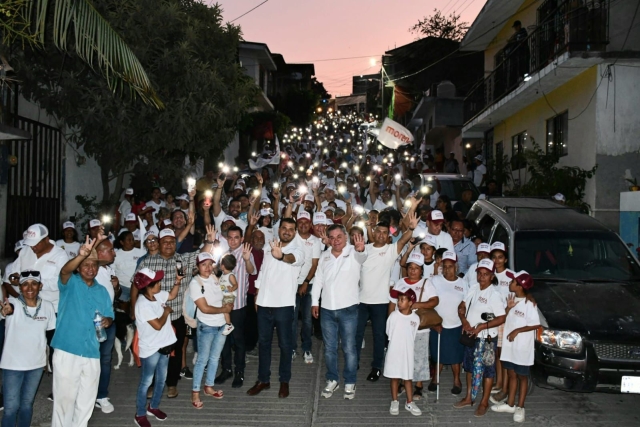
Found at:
<point>466,339</point>
<point>429,317</point>
<point>167,349</point>
<point>488,355</point>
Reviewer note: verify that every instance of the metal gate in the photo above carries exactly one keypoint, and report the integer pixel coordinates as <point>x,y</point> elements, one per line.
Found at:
<point>35,183</point>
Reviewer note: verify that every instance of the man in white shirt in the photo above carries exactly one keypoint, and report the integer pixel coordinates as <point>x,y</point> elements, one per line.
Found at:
<point>125,206</point>
<point>311,246</point>
<point>276,289</point>
<point>235,208</point>
<point>477,175</point>
<point>375,277</point>
<point>337,281</point>
<point>330,196</point>
<point>435,220</point>
<point>156,203</point>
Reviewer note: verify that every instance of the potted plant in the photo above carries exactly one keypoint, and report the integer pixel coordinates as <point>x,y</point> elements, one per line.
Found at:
<point>634,184</point>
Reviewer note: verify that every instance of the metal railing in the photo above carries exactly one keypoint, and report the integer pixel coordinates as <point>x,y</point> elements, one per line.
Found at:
<point>562,26</point>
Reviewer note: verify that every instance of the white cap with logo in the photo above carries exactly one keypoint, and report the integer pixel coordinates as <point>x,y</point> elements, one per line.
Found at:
<point>35,234</point>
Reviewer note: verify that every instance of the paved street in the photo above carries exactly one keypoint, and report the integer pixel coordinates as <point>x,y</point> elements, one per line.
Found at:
<point>305,406</point>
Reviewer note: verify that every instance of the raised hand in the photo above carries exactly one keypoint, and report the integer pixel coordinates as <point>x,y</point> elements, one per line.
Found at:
<point>511,301</point>
<point>276,248</point>
<point>6,307</point>
<point>253,219</point>
<point>358,242</point>
<point>211,232</point>
<point>413,220</point>
<point>85,249</point>
<point>246,252</point>
<point>192,193</point>
<point>259,178</point>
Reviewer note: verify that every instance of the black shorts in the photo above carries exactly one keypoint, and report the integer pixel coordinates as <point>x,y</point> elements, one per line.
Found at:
<point>519,369</point>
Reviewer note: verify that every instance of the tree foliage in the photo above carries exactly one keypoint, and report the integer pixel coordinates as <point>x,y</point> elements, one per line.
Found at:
<point>440,26</point>
<point>298,104</point>
<point>190,57</point>
<point>26,22</point>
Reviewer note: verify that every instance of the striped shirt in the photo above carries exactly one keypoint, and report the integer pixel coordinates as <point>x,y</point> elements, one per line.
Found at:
<point>242,277</point>
<point>157,262</point>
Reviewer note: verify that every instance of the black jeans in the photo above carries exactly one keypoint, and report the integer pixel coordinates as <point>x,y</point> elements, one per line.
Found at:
<point>175,362</point>
<point>250,324</point>
<point>236,337</point>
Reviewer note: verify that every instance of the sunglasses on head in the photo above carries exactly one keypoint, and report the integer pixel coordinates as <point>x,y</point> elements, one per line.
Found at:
<point>30,273</point>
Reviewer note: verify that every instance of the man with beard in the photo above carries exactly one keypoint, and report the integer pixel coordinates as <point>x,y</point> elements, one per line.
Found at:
<point>276,297</point>
<point>234,211</point>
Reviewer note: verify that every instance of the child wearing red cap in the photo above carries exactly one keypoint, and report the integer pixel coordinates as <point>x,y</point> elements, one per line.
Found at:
<point>402,326</point>
<point>518,346</point>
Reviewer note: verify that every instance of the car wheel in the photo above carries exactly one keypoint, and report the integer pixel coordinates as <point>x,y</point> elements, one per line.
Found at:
<point>530,386</point>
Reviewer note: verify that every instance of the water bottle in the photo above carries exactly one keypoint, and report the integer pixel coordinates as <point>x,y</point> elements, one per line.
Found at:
<point>101,334</point>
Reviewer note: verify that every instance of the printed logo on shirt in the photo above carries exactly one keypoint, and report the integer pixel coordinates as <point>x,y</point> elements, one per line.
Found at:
<point>458,288</point>
<point>49,261</point>
<point>73,254</point>
<point>40,318</point>
<point>326,258</point>
<point>519,313</point>
<point>383,253</point>
<point>482,300</point>
<point>308,243</point>
<point>414,323</point>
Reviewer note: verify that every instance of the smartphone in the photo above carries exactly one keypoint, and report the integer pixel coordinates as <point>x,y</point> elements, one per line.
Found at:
<point>222,176</point>
<point>296,195</point>
<point>179,270</point>
<point>415,240</point>
<point>191,184</point>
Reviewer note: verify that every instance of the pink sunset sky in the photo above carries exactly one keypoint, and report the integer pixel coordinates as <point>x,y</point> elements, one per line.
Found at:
<point>314,30</point>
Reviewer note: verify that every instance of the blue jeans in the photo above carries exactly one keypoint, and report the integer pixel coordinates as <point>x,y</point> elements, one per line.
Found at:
<point>210,345</point>
<point>378,315</point>
<point>19,390</point>
<point>106,348</point>
<point>303,304</point>
<point>156,364</point>
<point>281,318</point>
<point>340,325</point>
<point>125,295</point>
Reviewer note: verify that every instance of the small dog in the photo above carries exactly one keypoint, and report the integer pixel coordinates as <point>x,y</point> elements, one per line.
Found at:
<point>124,331</point>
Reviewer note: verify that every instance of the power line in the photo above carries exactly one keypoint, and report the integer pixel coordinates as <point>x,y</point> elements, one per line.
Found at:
<point>337,59</point>
<point>472,2</point>
<point>249,11</point>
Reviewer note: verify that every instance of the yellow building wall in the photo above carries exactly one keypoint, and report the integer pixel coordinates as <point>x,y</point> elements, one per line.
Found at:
<point>573,97</point>
<point>525,14</point>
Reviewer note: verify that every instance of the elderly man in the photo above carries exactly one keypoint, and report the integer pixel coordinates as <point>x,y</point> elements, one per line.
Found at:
<point>107,278</point>
<point>173,263</point>
<point>435,220</point>
<point>76,360</point>
<point>276,289</point>
<point>375,275</point>
<point>336,281</point>
<point>245,266</point>
<point>465,249</point>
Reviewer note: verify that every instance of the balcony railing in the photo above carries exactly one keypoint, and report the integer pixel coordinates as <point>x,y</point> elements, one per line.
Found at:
<point>563,26</point>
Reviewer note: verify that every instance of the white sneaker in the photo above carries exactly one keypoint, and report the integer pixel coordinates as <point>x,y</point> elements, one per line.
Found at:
<point>413,408</point>
<point>349,391</point>
<point>503,407</point>
<point>105,405</point>
<point>395,407</point>
<point>228,329</point>
<point>294,355</point>
<point>308,357</point>
<point>330,388</point>
<point>518,415</point>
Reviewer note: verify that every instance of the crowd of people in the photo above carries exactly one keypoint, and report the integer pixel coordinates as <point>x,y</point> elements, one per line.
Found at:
<point>320,238</point>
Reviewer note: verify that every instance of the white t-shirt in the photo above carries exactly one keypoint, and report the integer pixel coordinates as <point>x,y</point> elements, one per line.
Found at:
<point>376,272</point>
<point>312,247</point>
<point>225,282</point>
<point>70,248</point>
<point>212,295</point>
<point>125,265</point>
<point>521,350</point>
<point>157,207</point>
<point>104,279</point>
<point>428,270</point>
<point>149,339</point>
<point>477,174</point>
<point>402,331</point>
<point>124,209</point>
<point>49,266</point>
<point>451,295</point>
<point>443,240</point>
<point>483,301</point>
<point>503,285</point>
<point>471,278</point>
<point>25,338</point>
<point>429,292</point>
<point>277,280</point>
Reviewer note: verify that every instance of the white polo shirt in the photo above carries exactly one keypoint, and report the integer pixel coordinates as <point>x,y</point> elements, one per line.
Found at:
<point>443,240</point>
<point>312,247</point>
<point>337,279</point>
<point>218,220</point>
<point>375,274</point>
<point>277,280</point>
<point>49,266</point>
<point>70,248</point>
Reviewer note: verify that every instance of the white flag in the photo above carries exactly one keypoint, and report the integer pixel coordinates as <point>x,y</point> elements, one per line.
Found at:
<point>262,162</point>
<point>393,134</point>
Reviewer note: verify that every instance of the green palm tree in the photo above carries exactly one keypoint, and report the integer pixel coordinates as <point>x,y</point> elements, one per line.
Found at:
<point>96,42</point>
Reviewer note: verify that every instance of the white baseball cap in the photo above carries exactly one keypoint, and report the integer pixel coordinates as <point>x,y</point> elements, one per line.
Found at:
<point>163,190</point>
<point>329,222</point>
<point>450,255</point>
<point>128,192</point>
<point>416,258</point>
<point>204,256</point>
<point>167,232</point>
<point>487,264</point>
<point>479,158</point>
<point>35,234</point>
<point>328,208</point>
<point>265,212</point>
<point>148,234</point>
<point>238,187</point>
<point>19,246</point>
<point>131,217</point>
<point>435,216</point>
<point>68,224</point>
<point>330,187</point>
<point>95,223</point>
<point>309,198</point>
<point>319,218</point>
<point>304,215</point>
<point>498,246</point>
<point>430,240</point>
<point>483,248</point>
<point>265,200</point>
<point>184,197</point>
<point>559,197</point>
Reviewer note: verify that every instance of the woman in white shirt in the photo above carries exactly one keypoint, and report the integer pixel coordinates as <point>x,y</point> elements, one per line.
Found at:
<point>207,296</point>
<point>28,317</point>
<point>126,262</point>
<point>156,340</point>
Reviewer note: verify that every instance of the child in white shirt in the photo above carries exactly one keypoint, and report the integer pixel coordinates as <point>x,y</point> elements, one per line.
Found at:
<point>229,287</point>
<point>402,326</point>
<point>518,346</point>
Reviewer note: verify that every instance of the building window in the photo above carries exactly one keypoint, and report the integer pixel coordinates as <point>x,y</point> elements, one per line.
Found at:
<point>518,148</point>
<point>557,134</point>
